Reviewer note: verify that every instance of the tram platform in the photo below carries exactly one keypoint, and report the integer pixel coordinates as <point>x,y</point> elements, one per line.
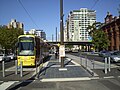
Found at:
<point>51,69</point>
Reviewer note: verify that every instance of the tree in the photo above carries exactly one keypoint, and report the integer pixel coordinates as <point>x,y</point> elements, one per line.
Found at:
<point>8,37</point>
<point>99,37</point>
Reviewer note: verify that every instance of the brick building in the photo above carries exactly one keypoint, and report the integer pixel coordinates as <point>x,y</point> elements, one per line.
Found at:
<point>112,28</point>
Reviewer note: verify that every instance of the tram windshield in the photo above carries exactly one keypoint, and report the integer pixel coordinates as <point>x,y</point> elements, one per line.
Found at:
<point>26,46</point>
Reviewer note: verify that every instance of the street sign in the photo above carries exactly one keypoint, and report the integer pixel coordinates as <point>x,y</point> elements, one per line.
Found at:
<point>62,51</point>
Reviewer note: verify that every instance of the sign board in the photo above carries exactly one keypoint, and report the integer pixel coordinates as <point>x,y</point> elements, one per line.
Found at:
<point>58,44</point>
<point>62,51</point>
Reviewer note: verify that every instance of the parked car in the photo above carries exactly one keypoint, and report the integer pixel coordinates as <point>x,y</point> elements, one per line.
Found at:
<point>12,56</point>
<point>4,57</point>
<point>114,56</point>
<point>104,53</point>
<point>75,50</point>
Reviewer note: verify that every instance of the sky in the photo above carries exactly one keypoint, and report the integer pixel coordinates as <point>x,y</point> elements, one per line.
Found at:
<point>45,14</point>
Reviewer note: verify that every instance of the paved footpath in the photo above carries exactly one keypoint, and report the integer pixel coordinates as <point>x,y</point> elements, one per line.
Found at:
<point>95,67</point>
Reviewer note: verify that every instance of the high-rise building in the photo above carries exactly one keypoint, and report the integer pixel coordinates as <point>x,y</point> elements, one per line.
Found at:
<point>39,33</point>
<point>15,24</point>
<point>77,23</point>
<point>32,31</point>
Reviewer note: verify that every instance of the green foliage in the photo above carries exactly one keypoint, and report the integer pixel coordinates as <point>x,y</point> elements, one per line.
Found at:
<point>69,46</point>
<point>100,40</point>
<point>99,37</point>
<point>8,37</point>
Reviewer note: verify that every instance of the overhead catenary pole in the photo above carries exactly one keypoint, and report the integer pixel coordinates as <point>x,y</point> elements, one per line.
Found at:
<point>52,37</point>
<point>61,30</point>
<point>56,34</point>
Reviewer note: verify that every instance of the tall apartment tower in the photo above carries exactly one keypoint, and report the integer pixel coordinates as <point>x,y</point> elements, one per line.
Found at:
<point>15,24</point>
<point>39,33</point>
<point>77,22</point>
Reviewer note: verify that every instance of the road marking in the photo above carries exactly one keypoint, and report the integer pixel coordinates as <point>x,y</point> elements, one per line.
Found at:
<point>64,79</point>
<point>108,77</point>
<point>93,78</point>
<point>1,81</point>
<point>73,62</point>
<point>118,76</point>
<point>5,85</point>
<point>45,64</point>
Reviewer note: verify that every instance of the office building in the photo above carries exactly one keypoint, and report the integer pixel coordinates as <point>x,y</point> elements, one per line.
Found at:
<point>76,24</point>
<point>15,24</point>
<point>39,33</point>
<point>112,29</point>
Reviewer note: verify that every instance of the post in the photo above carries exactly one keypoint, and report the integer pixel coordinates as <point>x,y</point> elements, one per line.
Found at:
<point>52,37</point>
<point>105,65</point>
<point>3,68</point>
<point>81,60</point>
<point>109,65</point>
<point>61,30</point>
<point>93,63</point>
<point>56,34</point>
<point>86,61</point>
<point>21,69</point>
<point>16,69</point>
<point>36,69</point>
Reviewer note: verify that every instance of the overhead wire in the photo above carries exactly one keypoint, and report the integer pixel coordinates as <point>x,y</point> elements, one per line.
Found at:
<point>94,4</point>
<point>28,13</point>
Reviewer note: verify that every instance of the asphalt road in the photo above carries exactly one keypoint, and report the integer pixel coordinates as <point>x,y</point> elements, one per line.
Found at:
<point>93,57</point>
<point>99,84</point>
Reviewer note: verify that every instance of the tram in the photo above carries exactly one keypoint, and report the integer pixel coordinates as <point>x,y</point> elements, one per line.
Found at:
<point>31,50</point>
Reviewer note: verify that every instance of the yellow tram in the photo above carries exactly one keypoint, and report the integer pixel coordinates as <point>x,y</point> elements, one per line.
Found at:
<point>31,50</point>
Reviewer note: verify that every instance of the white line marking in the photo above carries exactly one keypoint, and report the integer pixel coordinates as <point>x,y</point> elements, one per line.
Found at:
<point>64,79</point>
<point>45,64</point>
<point>109,77</point>
<point>62,69</point>
<point>92,78</point>
<point>5,85</point>
<point>1,81</point>
<point>118,76</point>
<point>73,62</point>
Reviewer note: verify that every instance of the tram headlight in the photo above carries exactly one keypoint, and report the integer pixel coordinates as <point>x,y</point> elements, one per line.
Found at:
<point>18,57</point>
<point>32,57</point>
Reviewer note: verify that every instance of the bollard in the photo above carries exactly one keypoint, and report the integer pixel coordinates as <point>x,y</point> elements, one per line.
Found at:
<point>36,68</point>
<point>3,68</point>
<point>38,71</point>
<point>81,60</point>
<point>109,65</point>
<point>21,69</point>
<point>86,61</point>
<point>105,65</point>
<point>93,63</point>
<point>16,69</point>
